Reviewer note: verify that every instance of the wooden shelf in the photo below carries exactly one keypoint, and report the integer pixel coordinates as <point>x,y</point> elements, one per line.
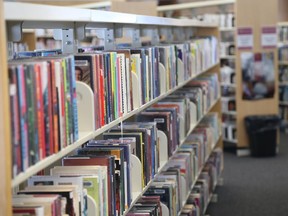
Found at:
<point>5,133</point>
<point>229,84</point>
<point>226,29</point>
<point>86,136</point>
<point>228,57</point>
<point>194,5</point>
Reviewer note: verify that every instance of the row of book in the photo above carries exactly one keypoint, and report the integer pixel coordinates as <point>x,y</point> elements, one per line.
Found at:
<point>201,193</point>
<point>97,179</point>
<point>283,73</point>
<point>36,135</point>
<point>172,117</point>
<point>283,93</point>
<point>125,79</point>
<point>283,53</point>
<point>229,131</point>
<point>43,108</point>
<point>168,186</point>
<point>283,112</point>
<point>228,104</point>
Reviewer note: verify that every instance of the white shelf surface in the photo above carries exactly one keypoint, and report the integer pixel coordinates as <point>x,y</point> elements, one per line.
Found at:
<point>282,23</point>
<point>285,103</point>
<point>198,4</point>
<point>283,62</point>
<point>228,84</point>
<point>230,140</point>
<point>283,83</point>
<point>228,97</point>
<point>229,112</point>
<point>228,57</point>
<point>137,196</point>
<point>94,5</point>
<point>86,136</point>
<point>66,16</point>
<point>225,29</point>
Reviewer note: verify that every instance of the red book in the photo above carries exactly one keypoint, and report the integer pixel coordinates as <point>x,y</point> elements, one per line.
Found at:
<point>54,108</point>
<point>50,110</point>
<point>15,121</point>
<point>101,90</point>
<point>40,112</point>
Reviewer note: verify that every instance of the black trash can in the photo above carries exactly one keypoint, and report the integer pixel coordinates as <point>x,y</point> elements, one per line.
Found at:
<point>262,134</point>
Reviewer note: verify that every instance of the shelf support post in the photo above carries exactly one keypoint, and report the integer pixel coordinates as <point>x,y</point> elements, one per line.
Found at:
<point>151,32</point>
<point>167,32</point>
<point>14,34</point>
<point>106,33</point>
<point>189,33</point>
<point>179,33</point>
<point>133,32</point>
<point>67,38</point>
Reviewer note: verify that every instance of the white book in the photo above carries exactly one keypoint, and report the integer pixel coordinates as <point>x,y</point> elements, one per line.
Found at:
<point>56,180</point>
<point>100,171</point>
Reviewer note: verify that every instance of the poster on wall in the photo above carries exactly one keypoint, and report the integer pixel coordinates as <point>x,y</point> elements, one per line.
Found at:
<point>269,38</point>
<point>245,38</point>
<point>258,75</point>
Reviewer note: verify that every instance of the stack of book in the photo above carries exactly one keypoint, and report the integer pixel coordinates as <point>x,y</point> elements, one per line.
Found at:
<point>97,179</point>
<point>43,108</point>
<point>201,194</point>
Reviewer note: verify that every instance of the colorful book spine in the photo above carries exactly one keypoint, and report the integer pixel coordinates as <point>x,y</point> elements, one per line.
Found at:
<point>31,115</point>
<point>40,112</point>
<point>55,108</point>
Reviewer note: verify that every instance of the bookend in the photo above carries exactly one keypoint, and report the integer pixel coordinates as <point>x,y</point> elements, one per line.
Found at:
<point>136,175</point>
<point>162,74</point>
<point>135,91</point>
<point>193,114</point>
<point>86,107</point>
<point>180,68</point>
<point>165,210</point>
<point>163,146</point>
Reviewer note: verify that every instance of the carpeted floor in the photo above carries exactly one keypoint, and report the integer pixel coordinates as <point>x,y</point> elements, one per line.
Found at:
<point>254,186</point>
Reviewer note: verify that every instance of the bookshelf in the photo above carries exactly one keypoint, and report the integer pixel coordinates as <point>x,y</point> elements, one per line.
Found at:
<point>227,39</point>
<point>246,17</point>
<point>44,16</point>
<point>5,151</point>
<point>283,82</point>
<point>192,5</point>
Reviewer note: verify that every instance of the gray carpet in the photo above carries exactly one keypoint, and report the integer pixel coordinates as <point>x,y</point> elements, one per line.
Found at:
<point>254,186</point>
